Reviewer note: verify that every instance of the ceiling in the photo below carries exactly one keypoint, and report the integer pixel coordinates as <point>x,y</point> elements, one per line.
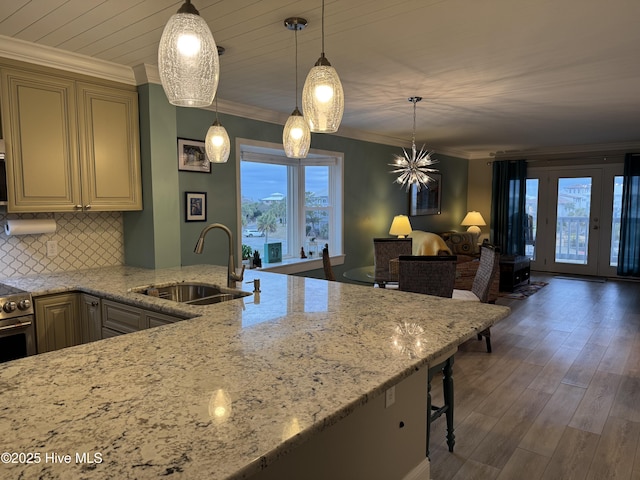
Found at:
<point>495,75</point>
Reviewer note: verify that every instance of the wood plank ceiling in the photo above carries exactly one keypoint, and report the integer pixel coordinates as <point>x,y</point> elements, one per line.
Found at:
<point>495,74</point>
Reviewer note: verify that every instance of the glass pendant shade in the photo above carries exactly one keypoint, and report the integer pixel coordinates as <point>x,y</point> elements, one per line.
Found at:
<point>296,136</point>
<point>188,59</point>
<point>323,98</point>
<point>217,144</point>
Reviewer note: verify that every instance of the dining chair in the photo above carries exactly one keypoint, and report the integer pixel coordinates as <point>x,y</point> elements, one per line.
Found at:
<point>428,274</point>
<point>487,270</point>
<point>433,275</point>
<point>326,264</point>
<point>385,249</point>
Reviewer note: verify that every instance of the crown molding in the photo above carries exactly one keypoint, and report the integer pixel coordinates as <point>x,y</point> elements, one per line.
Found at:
<point>568,151</point>
<point>55,58</point>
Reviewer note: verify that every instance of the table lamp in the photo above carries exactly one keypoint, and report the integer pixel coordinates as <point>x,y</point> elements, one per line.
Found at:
<point>400,226</point>
<point>472,220</point>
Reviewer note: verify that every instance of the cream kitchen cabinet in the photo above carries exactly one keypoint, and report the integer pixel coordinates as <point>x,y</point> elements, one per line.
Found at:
<point>57,324</point>
<point>72,143</point>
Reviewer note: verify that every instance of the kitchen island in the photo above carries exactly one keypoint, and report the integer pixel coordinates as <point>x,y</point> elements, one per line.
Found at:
<point>241,386</point>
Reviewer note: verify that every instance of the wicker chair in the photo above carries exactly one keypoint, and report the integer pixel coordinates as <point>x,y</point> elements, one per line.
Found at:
<point>385,249</point>
<point>428,274</point>
<point>433,275</point>
<point>326,264</point>
<point>488,270</point>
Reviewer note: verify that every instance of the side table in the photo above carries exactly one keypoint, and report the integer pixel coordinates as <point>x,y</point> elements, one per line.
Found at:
<point>514,270</point>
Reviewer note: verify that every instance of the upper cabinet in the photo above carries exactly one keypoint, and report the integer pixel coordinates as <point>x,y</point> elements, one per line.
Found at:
<point>71,144</point>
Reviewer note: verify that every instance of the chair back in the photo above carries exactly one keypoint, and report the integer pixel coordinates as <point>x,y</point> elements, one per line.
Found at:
<point>487,271</point>
<point>428,274</point>
<point>384,249</point>
<point>326,264</point>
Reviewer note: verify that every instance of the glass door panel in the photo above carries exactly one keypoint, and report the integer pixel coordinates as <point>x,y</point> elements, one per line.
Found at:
<point>573,218</point>
<point>531,206</point>
<point>618,182</point>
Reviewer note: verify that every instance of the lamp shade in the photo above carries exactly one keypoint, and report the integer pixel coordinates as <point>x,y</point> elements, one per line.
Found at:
<point>472,220</point>
<point>323,98</point>
<point>217,144</point>
<point>401,226</point>
<point>296,136</point>
<point>188,59</point>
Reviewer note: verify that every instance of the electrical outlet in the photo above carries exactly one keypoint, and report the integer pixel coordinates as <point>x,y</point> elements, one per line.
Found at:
<point>52,248</point>
<point>390,397</point>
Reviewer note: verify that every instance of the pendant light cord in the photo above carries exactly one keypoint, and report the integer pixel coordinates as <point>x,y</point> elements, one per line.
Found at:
<point>413,138</point>
<point>323,28</point>
<point>296,63</point>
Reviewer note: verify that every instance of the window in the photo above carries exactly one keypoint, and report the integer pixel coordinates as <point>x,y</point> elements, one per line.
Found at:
<point>296,202</point>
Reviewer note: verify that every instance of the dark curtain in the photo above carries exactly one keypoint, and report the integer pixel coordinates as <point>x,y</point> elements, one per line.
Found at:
<point>508,216</point>
<point>629,251</point>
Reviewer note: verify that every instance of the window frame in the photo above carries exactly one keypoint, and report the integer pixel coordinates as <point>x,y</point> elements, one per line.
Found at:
<point>267,152</point>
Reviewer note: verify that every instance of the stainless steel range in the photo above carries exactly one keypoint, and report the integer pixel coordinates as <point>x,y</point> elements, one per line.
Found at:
<point>17,328</point>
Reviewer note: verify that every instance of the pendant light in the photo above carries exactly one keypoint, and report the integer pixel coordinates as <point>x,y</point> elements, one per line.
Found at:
<point>188,59</point>
<point>322,95</point>
<point>414,168</point>
<point>216,143</point>
<point>296,136</point>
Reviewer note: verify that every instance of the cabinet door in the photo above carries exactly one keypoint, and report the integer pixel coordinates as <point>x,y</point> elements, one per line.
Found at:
<point>57,322</point>
<point>39,115</point>
<point>122,318</point>
<point>109,148</point>
<point>154,319</point>
<point>90,318</point>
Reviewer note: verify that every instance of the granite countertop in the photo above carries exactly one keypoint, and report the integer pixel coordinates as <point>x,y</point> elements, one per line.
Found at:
<point>223,394</point>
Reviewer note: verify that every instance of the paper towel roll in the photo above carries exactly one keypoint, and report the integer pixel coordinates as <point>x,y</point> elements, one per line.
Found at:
<point>30,227</point>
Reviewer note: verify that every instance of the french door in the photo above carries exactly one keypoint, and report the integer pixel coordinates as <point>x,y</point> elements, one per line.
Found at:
<point>574,219</point>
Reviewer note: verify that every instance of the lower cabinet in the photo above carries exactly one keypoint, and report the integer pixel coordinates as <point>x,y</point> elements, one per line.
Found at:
<point>64,320</point>
<point>118,319</point>
<point>57,322</point>
<point>90,318</point>
<point>154,319</point>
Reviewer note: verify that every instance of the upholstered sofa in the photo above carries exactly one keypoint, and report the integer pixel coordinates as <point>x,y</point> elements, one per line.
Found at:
<point>462,244</point>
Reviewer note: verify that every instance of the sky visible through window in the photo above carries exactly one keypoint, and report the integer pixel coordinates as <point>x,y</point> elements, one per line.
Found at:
<point>260,180</point>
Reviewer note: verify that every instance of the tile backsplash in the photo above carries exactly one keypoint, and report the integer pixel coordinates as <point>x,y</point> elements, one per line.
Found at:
<point>84,240</point>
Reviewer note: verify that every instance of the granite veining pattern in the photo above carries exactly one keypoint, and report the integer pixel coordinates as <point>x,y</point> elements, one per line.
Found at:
<point>223,394</point>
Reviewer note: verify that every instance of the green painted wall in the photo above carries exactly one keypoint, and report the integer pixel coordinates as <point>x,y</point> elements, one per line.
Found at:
<point>152,236</point>
<point>371,199</point>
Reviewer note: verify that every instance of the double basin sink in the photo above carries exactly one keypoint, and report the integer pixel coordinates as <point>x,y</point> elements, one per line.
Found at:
<point>192,293</point>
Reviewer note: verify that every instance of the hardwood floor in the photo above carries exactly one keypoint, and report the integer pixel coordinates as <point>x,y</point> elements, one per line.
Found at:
<point>559,397</point>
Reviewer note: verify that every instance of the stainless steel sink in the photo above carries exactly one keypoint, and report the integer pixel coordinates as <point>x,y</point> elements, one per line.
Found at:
<point>192,293</point>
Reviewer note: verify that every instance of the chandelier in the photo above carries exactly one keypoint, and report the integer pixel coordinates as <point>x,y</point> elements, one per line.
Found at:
<point>414,168</point>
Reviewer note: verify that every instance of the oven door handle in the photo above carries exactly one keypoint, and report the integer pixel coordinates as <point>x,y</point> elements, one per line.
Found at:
<point>15,326</point>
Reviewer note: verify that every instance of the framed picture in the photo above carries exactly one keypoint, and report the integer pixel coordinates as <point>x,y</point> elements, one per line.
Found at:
<point>427,200</point>
<point>192,156</point>
<point>195,206</point>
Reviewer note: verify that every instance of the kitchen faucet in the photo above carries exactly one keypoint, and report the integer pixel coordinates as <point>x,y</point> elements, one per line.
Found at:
<point>232,276</point>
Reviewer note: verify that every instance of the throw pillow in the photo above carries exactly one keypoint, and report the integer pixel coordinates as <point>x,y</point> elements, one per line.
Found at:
<point>462,243</point>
